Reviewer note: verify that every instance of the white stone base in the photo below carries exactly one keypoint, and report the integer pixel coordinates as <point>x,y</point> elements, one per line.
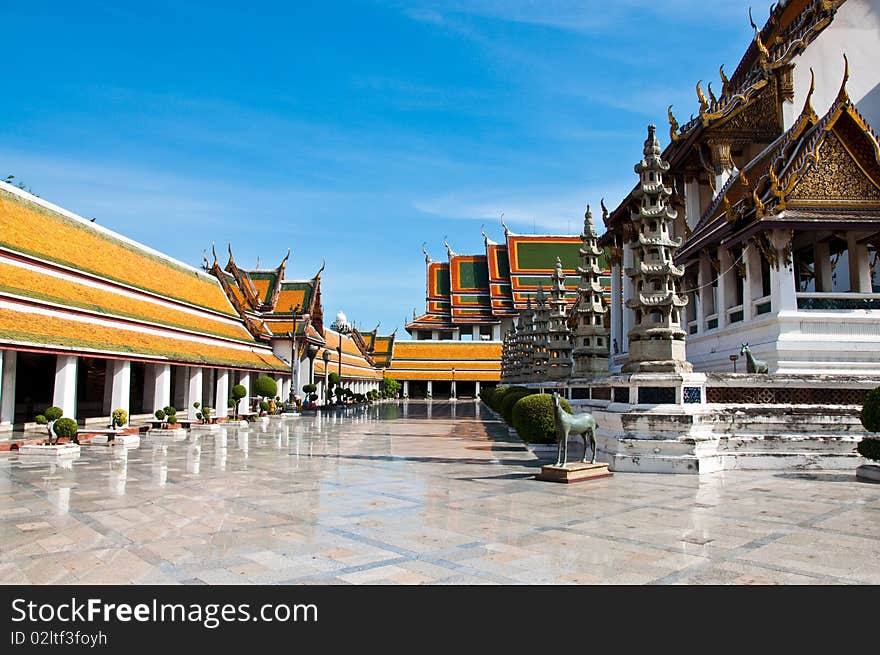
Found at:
<point>868,472</point>
<point>166,435</point>
<point>205,428</point>
<point>128,440</point>
<point>234,425</point>
<point>54,451</point>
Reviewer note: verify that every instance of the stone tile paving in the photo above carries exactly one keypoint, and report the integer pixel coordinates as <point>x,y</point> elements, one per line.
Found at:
<point>415,493</point>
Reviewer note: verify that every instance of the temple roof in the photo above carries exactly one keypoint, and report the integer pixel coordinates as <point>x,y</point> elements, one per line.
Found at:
<point>87,290</point>
<point>469,289</point>
<point>821,171</point>
<point>435,360</point>
<point>532,260</point>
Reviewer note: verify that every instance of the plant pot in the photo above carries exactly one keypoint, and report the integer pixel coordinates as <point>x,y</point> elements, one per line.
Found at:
<point>868,472</point>
<point>51,451</point>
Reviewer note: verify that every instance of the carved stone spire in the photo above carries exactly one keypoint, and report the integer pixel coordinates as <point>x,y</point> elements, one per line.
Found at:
<point>656,340</point>
<point>591,343</point>
<point>559,339</point>
<point>540,336</point>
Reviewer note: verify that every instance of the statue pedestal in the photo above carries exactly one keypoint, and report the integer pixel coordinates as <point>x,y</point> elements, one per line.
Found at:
<point>574,472</point>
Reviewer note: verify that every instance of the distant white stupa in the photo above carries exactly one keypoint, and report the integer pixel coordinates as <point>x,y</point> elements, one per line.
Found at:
<point>341,323</point>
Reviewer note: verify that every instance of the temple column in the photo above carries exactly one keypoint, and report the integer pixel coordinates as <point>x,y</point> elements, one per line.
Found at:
<point>121,394</point>
<point>751,272</point>
<point>452,391</point>
<point>107,402</point>
<point>477,389</point>
<point>406,388</point>
<point>221,393</point>
<point>859,265</point>
<point>724,289</point>
<point>628,292</point>
<point>496,332</point>
<point>8,363</point>
<point>64,395</point>
<point>822,266</point>
<point>193,390</point>
<point>782,283</point>
<point>616,311</point>
<point>430,389</point>
<point>244,379</point>
<point>162,385</point>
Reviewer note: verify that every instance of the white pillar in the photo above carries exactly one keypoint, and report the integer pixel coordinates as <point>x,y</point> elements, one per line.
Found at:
<point>477,389</point>
<point>121,393</point>
<point>782,287</point>
<point>723,286</point>
<point>244,379</point>
<point>297,377</point>
<point>8,362</point>
<point>193,390</point>
<point>406,388</point>
<point>753,270</point>
<point>64,395</point>
<point>430,389</point>
<point>616,310</point>
<point>453,390</point>
<point>822,266</point>
<point>859,265</point>
<point>162,386</point>
<point>692,202</point>
<point>628,292</point>
<point>222,393</point>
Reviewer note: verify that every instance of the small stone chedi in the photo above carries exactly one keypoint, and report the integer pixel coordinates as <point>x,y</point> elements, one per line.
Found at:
<point>590,335</point>
<point>559,337</point>
<point>657,341</point>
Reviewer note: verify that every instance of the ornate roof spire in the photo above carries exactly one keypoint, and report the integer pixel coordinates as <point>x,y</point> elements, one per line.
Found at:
<point>843,95</point>
<point>724,81</point>
<point>589,230</point>
<point>704,104</point>
<point>504,225</point>
<point>321,270</point>
<point>428,259</point>
<point>449,251</point>
<point>673,126</point>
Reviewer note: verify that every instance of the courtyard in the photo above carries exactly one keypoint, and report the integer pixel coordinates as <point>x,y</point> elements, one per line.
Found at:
<point>412,493</point>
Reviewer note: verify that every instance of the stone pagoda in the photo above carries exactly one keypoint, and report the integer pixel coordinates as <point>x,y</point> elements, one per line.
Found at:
<point>527,342</point>
<point>656,340</point>
<point>540,336</point>
<point>559,336</point>
<point>590,337</point>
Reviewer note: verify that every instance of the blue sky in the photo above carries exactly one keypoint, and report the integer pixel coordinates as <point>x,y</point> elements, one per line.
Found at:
<point>348,130</point>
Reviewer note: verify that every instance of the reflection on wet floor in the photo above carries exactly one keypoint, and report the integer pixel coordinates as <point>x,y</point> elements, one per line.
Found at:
<point>407,493</point>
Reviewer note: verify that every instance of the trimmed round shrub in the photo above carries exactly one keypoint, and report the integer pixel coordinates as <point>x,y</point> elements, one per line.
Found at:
<point>230,403</point>
<point>120,416</point>
<point>239,391</point>
<point>53,413</point>
<point>333,379</point>
<point>41,420</point>
<point>486,395</point>
<point>869,448</point>
<point>265,386</point>
<point>870,414</point>
<point>532,417</point>
<point>65,427</point>
<point>160,415</point>
<point>313,397</point>
<point>264,406</point>
<point>510,399</point>
<point>169,410</point>
<point>310,388</point>
<point>500,393</point>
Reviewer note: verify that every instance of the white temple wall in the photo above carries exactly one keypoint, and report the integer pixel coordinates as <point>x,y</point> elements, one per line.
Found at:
<point>855,31</point>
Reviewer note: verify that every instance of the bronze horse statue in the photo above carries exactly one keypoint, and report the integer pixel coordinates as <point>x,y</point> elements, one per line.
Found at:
<point>753,365</point>
<point>566,423</point>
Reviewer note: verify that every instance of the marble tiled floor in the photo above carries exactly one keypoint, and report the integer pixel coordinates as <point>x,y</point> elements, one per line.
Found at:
<point>385,495</point>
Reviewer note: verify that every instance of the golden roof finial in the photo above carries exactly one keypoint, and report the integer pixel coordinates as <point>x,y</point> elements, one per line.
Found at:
<point>842,95</point>
<point>751,20</point>
<point>704,104</point>
<point>321,270</point>
<point>673,125</point>
<point>762,49</point>
<point>712,95</point>
<point>604,210</point>
<point>428,259</point>
<point>724,81</point>
<point>214,252</point>
<point>231,258</point>
<point>759,206</point>
<point>504,225</point>
<point>485,236</point>
<point>728,210</point>
<point>808,103</point>
<point>449,251</point>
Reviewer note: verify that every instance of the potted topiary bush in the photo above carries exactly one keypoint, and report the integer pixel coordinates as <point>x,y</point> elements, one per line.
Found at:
<point>869,447</point>
<point>532,417</point>
<point>66,428</point>
<point>48,418</point>
<point>239,391</point>
<point>118,418</point>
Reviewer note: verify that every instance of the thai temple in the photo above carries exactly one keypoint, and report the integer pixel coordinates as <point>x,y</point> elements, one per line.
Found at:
<point>472,305</point>
<point>744,319</point>
<point>92,321</point>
